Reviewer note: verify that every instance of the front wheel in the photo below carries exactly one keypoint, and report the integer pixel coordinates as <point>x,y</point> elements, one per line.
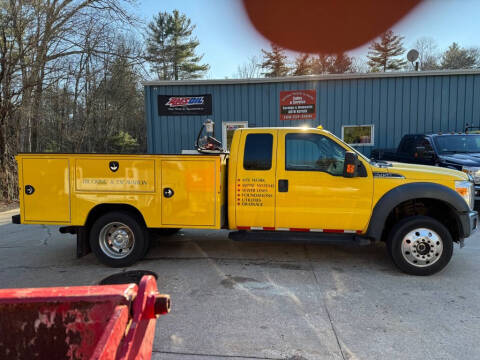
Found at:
<point>420,245</point>
<point>118,239</point>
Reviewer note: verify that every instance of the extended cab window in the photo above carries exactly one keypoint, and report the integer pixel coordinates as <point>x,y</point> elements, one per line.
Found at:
<point>313,152</point>
<point>423,143</point>
<point>408,145</point>
<point>258,152</point>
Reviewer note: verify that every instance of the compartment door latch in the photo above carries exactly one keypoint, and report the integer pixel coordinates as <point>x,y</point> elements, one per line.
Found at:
<point>168,193</point>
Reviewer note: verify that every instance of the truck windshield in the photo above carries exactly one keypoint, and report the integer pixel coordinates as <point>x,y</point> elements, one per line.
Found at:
<point>458,144</point>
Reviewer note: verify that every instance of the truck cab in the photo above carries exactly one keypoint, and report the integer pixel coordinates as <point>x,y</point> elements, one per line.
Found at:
<point>293,178</point>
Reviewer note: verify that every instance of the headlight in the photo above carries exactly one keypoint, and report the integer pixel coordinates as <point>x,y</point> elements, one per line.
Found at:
<point>474,172</point>
<point>466,190</point>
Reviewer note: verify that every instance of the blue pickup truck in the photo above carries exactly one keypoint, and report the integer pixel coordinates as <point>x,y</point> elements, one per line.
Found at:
<point>460,151</point>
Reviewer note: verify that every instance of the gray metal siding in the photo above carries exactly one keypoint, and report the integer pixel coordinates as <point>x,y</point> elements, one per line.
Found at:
<point>395,105</point>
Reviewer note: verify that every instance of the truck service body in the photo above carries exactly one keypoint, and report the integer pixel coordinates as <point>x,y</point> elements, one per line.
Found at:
<point>275,182</point>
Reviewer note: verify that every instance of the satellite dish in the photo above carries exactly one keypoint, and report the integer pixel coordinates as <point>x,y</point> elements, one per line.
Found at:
<point>412,55</point>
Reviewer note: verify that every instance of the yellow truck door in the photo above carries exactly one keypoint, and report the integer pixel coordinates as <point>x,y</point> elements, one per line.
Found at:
<point>46,190</point>
<point>311,191</point>
<point>255,179</point>
<point>189,192</point>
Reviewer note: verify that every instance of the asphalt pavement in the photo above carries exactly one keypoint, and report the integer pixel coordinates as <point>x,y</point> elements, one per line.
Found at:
<point>234,300</point>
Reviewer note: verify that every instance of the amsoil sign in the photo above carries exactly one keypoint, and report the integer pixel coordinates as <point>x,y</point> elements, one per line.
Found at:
<point>297,105</point>
<point>185,104</point>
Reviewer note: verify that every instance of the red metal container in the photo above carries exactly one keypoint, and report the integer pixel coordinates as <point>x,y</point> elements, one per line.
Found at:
<point>84,322</point>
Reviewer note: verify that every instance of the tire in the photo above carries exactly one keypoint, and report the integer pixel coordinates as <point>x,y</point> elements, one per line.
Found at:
<point>132,241</point>
<point>420,245</point>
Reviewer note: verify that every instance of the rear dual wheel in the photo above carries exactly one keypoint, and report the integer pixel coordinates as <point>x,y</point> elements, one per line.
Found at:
<point>420,245</point>
<point>119,239</point>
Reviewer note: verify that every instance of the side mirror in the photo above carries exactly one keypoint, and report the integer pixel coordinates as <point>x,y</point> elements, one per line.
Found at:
<point>350,164</point>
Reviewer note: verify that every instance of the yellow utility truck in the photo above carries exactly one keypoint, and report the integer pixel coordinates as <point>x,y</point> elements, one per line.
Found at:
<point>297,184</point>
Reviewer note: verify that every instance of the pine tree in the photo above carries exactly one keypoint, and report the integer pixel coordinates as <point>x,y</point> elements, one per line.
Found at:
<point>342,64</point>
<point>171,47</point>
<point>332,64</point>
<point>383,54</point>
<point>275,62</point>
<point>158,46</point>
<point>456,57</point>
<point>303,65</point>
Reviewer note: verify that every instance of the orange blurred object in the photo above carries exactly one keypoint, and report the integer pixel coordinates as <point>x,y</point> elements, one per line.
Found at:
<point>350,168</point>
<point>325,26</point>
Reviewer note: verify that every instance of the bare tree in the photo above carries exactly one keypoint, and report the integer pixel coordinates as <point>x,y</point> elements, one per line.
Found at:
<point>57,62</point>
<point>359,65</point>
<point>9,100</point>
<point>428,56</point>
<point>249,69</point>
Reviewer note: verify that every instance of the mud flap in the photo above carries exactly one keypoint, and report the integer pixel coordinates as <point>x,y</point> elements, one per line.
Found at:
<point>83,245</point>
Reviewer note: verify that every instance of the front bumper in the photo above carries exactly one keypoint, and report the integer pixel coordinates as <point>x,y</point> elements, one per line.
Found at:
<point>16,219</point>
<point>469,222</point>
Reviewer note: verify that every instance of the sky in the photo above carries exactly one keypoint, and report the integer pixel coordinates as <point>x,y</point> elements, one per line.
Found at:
<point>227,39</point>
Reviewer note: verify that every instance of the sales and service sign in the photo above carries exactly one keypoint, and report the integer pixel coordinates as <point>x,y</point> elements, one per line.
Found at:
<point>298,105</point>
<point>185,104</point>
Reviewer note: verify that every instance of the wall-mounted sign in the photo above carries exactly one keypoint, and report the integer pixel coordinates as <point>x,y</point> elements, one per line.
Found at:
<point>185,104</point>
<point>358,134</point>
<point>297,105</point>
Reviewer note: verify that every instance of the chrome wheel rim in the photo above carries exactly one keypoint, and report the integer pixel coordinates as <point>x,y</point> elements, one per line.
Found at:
<point>116,240</point>
<point>422,247</point>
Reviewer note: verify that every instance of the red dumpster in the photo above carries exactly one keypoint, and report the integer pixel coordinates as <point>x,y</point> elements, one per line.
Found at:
<point>82,322</point>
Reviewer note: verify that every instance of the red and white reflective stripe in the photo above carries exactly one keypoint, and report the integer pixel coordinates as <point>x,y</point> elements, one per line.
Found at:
<point>332,231</point>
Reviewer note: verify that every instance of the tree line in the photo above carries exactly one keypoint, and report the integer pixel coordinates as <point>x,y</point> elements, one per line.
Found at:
<point>71,73</point>
<point>385,54</point>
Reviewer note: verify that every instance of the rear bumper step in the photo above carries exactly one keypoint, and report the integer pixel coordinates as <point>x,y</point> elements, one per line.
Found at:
<point>305,237</point>
<point>16,219</point>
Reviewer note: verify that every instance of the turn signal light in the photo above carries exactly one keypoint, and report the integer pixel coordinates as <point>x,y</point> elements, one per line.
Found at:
<point>466,190</point>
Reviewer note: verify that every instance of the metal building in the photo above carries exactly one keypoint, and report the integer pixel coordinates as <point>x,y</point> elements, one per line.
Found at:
<point>368,110</point>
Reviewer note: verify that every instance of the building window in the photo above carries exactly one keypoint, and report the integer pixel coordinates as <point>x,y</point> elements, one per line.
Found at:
<point>361,135</point>
<point>228,128</point>
<point>313,152</point>
<point>258,152</point>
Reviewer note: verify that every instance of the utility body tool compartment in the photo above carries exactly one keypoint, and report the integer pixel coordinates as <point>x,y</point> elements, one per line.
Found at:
<point>45,189</point>
<point>168,190</point>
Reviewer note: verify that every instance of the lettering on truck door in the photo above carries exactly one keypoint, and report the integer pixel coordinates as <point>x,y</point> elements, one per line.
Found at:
<point>255,179</point>
<point>312,192</point>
